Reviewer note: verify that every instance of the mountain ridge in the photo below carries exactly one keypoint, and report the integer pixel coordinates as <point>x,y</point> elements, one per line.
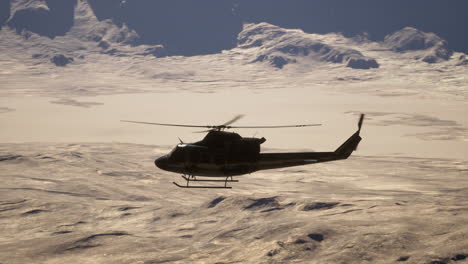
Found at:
<point>210,26</point>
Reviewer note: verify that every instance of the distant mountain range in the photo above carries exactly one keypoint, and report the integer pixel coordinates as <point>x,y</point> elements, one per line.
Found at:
<point>209,26</point>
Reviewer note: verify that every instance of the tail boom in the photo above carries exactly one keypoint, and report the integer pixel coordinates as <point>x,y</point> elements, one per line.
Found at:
<point>281,160</point>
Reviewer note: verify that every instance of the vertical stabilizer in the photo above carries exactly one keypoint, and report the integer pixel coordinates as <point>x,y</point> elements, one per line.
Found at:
<point>350,145</point>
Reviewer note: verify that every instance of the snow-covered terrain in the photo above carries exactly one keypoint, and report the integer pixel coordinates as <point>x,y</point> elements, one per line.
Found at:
<point>280,47</point>
<point>106,203</point>
<point>105,61</point>
<point>401,198</point>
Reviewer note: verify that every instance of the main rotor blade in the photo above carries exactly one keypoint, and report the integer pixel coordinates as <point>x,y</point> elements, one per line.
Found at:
<point>308,125</point>
<point>218,127</point>
<point>203,131</point>
<point>237,117</point>
<point>163,124</point>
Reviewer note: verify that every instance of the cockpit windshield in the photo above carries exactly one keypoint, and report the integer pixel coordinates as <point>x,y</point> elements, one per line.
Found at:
<point>177,154</point>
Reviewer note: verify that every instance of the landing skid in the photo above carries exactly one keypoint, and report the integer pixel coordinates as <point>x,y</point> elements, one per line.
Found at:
<point>201,187</point>
<point>192,178</point>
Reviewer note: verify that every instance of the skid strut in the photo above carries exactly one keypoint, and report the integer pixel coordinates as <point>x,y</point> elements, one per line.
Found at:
<point>192,178</point>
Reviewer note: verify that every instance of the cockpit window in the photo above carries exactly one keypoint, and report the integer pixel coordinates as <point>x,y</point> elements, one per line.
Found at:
<point>177,154</point>
<point>172,151</point>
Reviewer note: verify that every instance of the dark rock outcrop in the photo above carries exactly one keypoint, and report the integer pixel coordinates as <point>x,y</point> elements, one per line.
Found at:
<point>403,258</point>
<point>262,203</point>
<point>458,257</point>
<point>316,236</point>
<point>275,61</point>
<point>362,63</point>
<point>103,44</point>
<point>61,60</point>
<point>10,157</point>
<point>216,201</point>
<point>320,206</point>
<point>33,212</point>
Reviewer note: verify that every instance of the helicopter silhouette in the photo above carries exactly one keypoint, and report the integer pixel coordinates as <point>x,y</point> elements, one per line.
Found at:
<point>222,154</point>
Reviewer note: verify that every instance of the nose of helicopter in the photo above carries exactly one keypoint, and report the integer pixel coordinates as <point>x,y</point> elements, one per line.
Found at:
<point>161,162</point>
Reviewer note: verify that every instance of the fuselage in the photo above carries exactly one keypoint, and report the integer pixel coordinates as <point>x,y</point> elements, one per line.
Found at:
<point>207,169</point>
<point>198,160</point>
<point>192,160</point>
<point>222,154</point>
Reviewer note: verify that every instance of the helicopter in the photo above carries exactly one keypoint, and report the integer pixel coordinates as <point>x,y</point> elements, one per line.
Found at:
<point>222,154</point>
